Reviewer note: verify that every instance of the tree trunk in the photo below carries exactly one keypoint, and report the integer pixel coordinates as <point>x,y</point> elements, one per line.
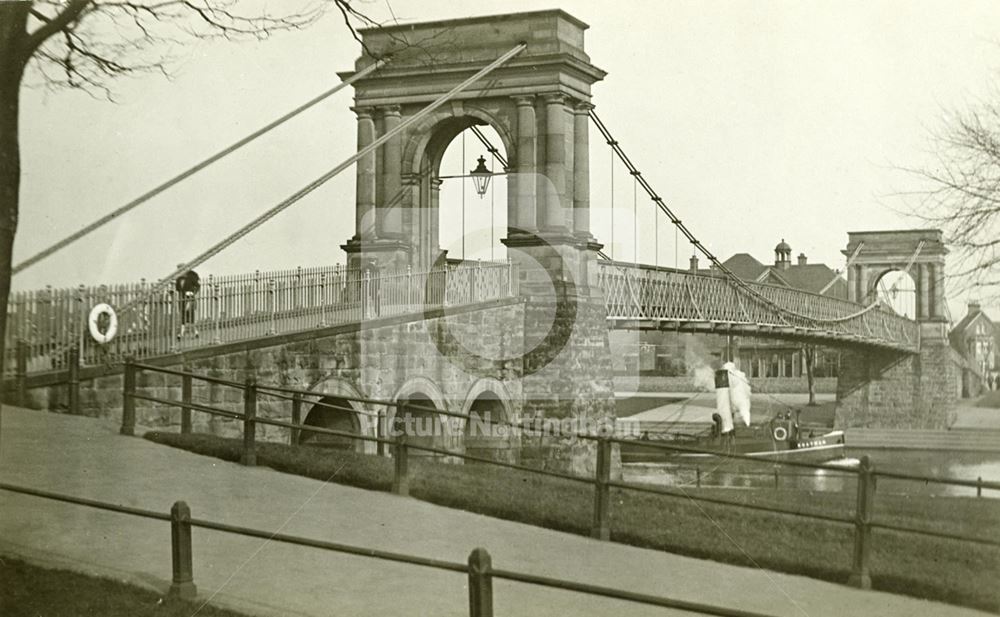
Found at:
<point>810,353</point>
<point>13,23</point>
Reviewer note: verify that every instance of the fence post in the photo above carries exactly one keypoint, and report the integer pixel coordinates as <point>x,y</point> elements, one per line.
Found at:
<point>380,433</point>
<point>128,400</point>
<point>480,583</point>
<point>775,477</point>
<point>249,424</point>
<point>175,308</point>
<point>22,373</point>
<point>272,295</point>
<point>216,310</point>
<point>602,499</point>
<point>697,477</point>
<point>860,577</point>
<point>297,294</point>
<point>401,471</point>
<point>409,288</point>
<point>979,486</point>
<point>74,380</point>
<point>293,435</point>
<point>186,402</point>
<point>366,302</point>
<point>180,548</point>
<point>322,299</point>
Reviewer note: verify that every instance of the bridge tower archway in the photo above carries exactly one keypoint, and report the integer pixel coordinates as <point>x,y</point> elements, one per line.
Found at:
<point>538,103</point>
<point>919,252</point>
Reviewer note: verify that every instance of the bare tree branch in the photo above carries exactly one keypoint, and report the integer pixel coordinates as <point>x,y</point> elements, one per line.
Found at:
<point>963,196</point>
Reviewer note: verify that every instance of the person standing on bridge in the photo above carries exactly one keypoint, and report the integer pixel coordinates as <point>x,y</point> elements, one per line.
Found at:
<point>188,285</point>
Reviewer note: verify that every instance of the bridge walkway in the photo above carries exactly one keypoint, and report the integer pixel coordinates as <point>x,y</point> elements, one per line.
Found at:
<point>85,457</point>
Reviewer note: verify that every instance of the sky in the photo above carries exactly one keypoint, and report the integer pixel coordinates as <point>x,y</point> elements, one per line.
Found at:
<point>757,121</point>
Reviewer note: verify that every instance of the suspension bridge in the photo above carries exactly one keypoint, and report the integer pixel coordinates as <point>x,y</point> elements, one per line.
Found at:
<point>523,337</point>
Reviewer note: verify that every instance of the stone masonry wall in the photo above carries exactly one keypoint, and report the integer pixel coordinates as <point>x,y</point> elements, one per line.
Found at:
<point>445,358</point>
<point>885,389</point>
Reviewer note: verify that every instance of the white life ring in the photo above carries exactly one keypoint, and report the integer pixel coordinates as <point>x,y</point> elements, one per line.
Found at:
<point>95,315</point>
<point>780,433</point>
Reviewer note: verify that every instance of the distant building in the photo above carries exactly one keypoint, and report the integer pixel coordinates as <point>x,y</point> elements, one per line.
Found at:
<point>977,338</point>
<point>802,275</point>
<point>777,358</point>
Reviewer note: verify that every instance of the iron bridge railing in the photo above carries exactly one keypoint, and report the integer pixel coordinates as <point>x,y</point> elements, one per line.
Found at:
<point>46,327</point>
<point>666,295</point>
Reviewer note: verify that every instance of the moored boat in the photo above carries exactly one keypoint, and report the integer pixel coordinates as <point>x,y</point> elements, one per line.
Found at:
<point>779,439</point>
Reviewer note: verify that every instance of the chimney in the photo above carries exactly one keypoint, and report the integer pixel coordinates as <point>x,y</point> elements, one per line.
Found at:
<point>974,307</point>
<point>802,259</point>
<point>694,263</point>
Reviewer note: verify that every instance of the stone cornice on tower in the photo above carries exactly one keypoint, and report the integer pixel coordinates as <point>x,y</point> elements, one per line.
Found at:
<point>430,57</point>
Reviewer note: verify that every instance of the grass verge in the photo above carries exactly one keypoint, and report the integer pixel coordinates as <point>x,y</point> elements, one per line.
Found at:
<point>26,589</point>
<point>950,571</point>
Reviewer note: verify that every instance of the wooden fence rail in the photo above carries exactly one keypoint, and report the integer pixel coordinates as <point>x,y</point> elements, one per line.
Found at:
<point>862,521</point>
<point>478,569</point>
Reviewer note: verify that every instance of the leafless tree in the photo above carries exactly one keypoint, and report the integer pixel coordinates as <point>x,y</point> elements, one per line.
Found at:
<point>809,351</point>
<point>962,196</point>
<point>86,44</point>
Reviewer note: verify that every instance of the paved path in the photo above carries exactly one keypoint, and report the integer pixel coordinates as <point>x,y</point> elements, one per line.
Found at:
<point>978,418</point>
<point>699,406</point>
<point>86,458</point>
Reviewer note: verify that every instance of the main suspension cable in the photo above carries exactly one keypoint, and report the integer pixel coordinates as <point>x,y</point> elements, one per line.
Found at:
<point>679,225</point>
<point>107,218</point>
<point>318,182</point>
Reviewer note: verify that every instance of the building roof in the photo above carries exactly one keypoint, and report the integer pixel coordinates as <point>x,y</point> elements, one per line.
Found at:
<point>965,326</point>
<point>813,278</point>
<point>745,266</point>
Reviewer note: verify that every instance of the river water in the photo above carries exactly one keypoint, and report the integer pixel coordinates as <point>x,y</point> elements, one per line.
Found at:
<point>742,474</point>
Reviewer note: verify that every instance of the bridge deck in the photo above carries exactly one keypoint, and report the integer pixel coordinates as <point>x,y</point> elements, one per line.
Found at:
<point>245,308</point>
<point>645,297</point>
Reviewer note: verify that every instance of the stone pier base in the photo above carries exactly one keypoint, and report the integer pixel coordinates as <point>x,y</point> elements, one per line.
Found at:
<point>887,389</point>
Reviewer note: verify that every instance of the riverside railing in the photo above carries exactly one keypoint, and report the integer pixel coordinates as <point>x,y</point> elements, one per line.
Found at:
<point>479,570</point>
<point>44,325</point>
<point>401,445</point>
<point>662,294</point>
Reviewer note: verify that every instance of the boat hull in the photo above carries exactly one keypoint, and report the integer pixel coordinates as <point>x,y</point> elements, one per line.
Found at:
<point>655,449</point>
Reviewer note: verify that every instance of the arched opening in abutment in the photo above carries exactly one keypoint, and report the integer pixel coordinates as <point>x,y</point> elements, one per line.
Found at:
<point>417,416</point>
<point>334,413</point>
<point>897,290</point>
<point>487,433</point>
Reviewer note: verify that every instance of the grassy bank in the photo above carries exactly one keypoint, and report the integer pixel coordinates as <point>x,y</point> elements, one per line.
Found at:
<point>31,590</point>
<point>949,571</point>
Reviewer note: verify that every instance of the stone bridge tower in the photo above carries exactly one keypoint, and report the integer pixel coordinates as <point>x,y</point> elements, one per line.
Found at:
<point>887,389</point>
<point>538,103</point>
